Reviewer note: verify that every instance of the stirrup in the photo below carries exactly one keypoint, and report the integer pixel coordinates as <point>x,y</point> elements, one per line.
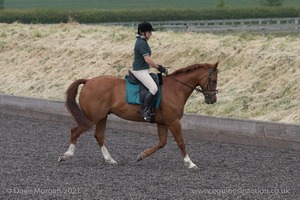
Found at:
<point>146,115</point>
<point>147,119</point>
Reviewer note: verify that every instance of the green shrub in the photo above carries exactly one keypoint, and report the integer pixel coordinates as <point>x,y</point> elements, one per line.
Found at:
<point>272,2</point>
<point>1,4</point>
<point>100,16</point>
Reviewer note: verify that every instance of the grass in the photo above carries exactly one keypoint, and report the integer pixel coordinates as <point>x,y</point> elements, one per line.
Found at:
<point>130,4</point>
<point>259,74</point>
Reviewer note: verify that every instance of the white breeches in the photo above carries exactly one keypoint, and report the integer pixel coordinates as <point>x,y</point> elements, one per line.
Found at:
<point>146,79</point>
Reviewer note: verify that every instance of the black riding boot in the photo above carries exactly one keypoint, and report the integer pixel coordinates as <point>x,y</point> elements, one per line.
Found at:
<point>145,111</point>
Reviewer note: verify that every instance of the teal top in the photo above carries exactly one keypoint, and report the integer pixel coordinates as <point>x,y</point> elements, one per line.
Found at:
<point>141,49</point>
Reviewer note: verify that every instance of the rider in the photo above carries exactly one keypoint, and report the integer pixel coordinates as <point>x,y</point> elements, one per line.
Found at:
<point>142,63</point>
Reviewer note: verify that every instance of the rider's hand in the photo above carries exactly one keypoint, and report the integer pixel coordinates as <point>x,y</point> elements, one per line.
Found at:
<point>162,69</point>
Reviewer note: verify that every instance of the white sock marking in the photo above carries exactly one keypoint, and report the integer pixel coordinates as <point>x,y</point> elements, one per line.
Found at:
<point>189,162</point>
<point>107,156</point>
<point>70,151</point>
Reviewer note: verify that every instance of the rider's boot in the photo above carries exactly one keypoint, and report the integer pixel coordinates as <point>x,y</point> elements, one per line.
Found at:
<point>145,111</point>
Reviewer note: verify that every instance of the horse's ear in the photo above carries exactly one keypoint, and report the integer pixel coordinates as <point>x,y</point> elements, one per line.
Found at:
<point>216,66</point>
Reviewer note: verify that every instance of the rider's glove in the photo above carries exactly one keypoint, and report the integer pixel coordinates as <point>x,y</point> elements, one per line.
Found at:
<point>162,69</point>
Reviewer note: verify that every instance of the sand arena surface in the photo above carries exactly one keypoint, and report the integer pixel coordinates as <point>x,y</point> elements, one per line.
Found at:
<point>259,75</point>
<point>29,149</point>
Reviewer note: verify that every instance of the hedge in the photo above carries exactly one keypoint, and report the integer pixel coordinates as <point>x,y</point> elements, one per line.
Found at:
<point>1,4</point>
<point>101,16</point>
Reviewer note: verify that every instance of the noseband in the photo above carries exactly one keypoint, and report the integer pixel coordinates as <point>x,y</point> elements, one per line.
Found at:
<point>207,92</point>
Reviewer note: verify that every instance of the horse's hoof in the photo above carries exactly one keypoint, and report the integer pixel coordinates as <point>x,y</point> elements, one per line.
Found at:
<point>194,167</point>
<point>111,162</point>
<point>140,157</point>
<point>191,166</point>
<point>63,158</point>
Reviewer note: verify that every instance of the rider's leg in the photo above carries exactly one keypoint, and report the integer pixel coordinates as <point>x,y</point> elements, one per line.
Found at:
<point>148,82</point>
<point>145,111</point>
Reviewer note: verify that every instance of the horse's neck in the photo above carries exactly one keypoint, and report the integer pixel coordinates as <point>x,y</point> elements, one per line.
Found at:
<point>185,84</point>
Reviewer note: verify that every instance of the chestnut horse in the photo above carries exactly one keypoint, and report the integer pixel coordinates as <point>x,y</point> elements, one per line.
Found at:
<point>103,95</point>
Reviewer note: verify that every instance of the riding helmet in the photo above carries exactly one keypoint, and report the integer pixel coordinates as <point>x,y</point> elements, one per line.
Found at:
<point>145,27</point>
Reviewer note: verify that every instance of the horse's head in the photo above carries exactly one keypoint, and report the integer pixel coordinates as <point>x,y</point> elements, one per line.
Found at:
<point>205,77</point>
<point>209,83</point>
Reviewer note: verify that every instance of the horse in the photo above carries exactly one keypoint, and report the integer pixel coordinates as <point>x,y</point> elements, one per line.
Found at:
<point>104,95</point>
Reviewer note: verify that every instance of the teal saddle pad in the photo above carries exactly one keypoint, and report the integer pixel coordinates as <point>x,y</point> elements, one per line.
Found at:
<point>134,93</point>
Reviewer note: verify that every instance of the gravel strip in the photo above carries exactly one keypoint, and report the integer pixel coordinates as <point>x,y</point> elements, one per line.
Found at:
<point>30,148</point>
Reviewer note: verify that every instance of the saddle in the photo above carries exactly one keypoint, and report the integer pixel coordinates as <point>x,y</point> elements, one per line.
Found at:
<point>136,91</point>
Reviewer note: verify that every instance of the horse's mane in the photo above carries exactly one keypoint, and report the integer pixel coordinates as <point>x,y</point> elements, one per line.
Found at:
<point>189,68</point>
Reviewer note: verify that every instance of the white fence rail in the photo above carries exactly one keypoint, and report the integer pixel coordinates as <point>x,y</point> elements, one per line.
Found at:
<point>229,25</point>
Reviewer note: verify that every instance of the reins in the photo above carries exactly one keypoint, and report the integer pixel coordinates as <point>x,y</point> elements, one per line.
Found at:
<point>208,81</point>
<point>196,88</point>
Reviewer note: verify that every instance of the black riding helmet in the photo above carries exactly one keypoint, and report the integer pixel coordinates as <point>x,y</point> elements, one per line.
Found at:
<point>145,27</point>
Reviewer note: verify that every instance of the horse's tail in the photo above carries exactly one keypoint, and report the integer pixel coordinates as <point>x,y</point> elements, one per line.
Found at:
<point>72,106</point>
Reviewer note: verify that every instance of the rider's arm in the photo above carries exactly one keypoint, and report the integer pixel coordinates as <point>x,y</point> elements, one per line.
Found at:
<point>150,62</point>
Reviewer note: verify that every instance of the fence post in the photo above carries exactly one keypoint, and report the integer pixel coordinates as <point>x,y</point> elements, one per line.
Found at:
<point>296,24</point>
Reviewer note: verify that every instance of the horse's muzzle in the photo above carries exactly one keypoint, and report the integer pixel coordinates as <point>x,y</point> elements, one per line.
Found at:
<point>210,99</point>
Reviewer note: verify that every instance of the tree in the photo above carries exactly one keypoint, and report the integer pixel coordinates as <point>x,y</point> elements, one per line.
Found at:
<point>221,4</point>
<point>272,2</point>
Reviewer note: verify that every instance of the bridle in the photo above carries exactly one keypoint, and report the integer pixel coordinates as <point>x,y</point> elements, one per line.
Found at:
<point>208,93</point>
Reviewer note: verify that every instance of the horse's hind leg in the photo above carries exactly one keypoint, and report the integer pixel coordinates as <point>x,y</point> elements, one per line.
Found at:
<point>75,133</point>
<point>163,136</point>
<point>177,134</point>
<point>99,135</point>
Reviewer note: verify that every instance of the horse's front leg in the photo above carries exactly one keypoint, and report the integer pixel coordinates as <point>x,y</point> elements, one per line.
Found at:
<point>163,135</point>
<point>175,128</point>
